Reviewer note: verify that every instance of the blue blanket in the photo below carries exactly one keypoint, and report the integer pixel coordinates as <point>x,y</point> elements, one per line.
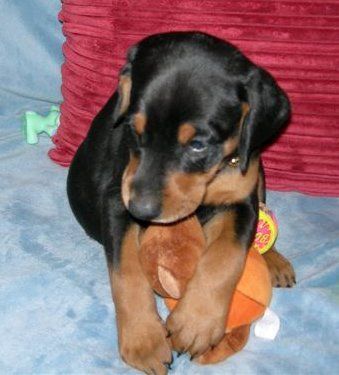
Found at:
<point>56,314</point>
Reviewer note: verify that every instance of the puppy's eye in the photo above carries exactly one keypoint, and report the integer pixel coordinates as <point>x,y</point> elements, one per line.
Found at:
<point>197,146</point>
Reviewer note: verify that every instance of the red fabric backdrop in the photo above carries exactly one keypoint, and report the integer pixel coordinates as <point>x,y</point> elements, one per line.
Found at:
<point>297,41</point>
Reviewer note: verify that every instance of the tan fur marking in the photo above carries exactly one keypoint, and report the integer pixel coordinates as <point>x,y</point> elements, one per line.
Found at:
<point>199,323</point>
<point>128,261</point>
<point>125,85</point>
<point>221,228</point>
<point>127,178</point>
<point>232,143</point>
<point>183,193</point>
<point>142,337</point>
<point>281,270</point>
<point>213,228</point>
<point>128,274</point>
<point>245,109</point>
<point>140,121</point>
<point>186,133</point>
<point>231,185</point>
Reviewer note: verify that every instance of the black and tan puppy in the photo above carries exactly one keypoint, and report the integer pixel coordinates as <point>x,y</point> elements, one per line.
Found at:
<point>181,135</point>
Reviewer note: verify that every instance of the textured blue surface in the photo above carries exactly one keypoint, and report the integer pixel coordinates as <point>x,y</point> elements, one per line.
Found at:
<point>56,314</point>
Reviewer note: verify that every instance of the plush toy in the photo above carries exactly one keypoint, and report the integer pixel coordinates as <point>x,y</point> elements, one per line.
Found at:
<point>169,255</point>
<point>34,124</point>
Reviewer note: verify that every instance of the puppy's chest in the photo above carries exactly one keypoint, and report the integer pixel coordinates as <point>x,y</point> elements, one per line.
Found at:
<point>216,221</point>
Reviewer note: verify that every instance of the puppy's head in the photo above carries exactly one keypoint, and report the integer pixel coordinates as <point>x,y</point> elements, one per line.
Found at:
<point>191,101</point>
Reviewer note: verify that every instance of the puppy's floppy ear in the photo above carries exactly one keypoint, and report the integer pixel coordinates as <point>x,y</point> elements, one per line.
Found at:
<point>269,111</point>
<point>123,93</point>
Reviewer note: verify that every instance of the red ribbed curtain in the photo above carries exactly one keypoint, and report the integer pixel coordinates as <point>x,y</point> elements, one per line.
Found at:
<point>297,41</point>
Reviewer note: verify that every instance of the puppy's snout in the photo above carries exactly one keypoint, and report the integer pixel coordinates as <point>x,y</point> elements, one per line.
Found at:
<point>144,207</point>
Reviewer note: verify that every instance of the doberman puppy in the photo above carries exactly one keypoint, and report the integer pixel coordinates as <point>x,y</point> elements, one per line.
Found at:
<point>181,135</point>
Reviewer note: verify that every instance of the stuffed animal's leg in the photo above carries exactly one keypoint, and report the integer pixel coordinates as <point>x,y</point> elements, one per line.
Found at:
<point>230,344</point>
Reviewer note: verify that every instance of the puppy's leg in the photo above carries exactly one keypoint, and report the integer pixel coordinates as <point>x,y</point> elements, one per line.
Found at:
<point>142,336</point>
<point>281,270</point>
<point>198,321</point>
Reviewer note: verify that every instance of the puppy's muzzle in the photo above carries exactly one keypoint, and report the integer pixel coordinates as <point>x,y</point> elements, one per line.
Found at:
<point>144,206</point>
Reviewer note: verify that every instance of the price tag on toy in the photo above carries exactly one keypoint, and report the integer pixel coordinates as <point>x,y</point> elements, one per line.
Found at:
<point>267,230</point>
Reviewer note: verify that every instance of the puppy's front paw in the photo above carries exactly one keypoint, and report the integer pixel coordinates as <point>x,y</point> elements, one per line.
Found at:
<point>143,345</point>
<point>196,325</point>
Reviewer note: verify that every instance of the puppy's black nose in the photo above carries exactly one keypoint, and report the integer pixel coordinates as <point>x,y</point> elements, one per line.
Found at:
<point>144,208</point>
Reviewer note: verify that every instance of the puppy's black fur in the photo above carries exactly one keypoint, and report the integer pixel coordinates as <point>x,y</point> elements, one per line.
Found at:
<point>161,149</point>
<point>176,78</point>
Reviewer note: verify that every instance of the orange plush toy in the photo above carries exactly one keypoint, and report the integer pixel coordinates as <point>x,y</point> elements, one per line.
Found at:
<point>169,255</point>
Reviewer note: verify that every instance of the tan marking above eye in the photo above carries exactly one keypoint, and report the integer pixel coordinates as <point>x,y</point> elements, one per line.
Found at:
<point>125,85</point>
<point>186,133</point>
<point>140,120</point>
